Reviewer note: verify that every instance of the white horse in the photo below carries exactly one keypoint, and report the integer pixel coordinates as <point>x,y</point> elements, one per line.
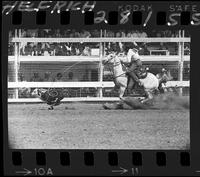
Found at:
<point>150,82</point>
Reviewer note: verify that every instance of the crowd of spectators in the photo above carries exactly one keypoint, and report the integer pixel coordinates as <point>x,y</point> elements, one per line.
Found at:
<point>83,49</point>
<point>48,77</point>
<point>72,33</point>
<point>59,77</point>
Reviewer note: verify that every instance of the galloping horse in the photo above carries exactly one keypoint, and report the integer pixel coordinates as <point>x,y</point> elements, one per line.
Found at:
<point>150,82</point>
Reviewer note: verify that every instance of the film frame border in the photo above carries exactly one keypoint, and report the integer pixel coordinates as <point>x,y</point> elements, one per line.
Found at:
<point>148,166</point>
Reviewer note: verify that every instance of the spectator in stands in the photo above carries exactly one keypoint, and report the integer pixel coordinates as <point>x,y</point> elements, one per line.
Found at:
<point>59,78</point>
<point>118,34</point>
<point>68,48</point>
<point>77,34</point>
<point>57,33</point>
<point>36,77</point>
<point>86,51</point>
<point>139,33</point>
<point>21,77</point>
<point>72,33</point>
<point>158,34</point>
<point>134,34</point>
<point>28,50</point>
<point>24,92</point>
<point>129,34</point>
<point>46,53</point>
<point>110,34</point>
<point>37,49</point>
<point>144,34</point>
<point>123,34</point>
<point>32,33</point>
<point>167,33</point>
<point>71,77</point>
<point>78,50</point>
<point>34,52</point>
<point>95,33</point>
<point>45,48</point>
<point>11,49</point>
<point>60,50</point>
<point>187,49</point>
<point>47,77</point>
<point>85,34</point>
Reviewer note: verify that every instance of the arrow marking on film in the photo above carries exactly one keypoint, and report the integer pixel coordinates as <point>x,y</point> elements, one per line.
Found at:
<point>121,171</point>
<point>25,172</point>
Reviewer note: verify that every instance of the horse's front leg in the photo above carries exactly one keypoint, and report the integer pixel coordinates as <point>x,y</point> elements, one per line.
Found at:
<point>119,105</point>
<point>121,92</point>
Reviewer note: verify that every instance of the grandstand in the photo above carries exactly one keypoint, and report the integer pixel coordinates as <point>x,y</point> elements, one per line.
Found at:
<point>36,57</point>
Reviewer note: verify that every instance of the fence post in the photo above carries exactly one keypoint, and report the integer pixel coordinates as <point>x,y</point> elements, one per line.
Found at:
<point>180,62</point>
<point>16,63</point>
<point>101,53</point>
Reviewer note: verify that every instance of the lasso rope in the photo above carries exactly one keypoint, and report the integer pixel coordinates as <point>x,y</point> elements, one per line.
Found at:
<point>68,68</point>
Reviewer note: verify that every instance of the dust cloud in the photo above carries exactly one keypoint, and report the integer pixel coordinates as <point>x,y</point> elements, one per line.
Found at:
<point>162,101</point>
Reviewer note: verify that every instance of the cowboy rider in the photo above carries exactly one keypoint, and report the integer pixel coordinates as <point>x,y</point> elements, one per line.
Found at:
<point>134,64</point>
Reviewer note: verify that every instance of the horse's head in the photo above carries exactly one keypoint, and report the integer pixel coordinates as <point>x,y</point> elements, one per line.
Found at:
<point>164,76</point>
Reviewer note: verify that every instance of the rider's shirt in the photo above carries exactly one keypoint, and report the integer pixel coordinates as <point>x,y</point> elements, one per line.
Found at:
<point>132,56</point>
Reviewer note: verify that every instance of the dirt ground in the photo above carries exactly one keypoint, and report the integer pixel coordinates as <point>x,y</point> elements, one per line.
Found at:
<point>89,126</point>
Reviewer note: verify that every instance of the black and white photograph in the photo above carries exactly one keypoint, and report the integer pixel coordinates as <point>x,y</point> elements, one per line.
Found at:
<point>99,89</point>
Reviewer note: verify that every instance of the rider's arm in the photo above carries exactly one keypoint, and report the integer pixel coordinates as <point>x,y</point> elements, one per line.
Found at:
<point>129,55</point>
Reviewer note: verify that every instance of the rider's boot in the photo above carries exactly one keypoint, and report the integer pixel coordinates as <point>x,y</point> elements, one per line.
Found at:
<point>130,89</point>
<point>148,96</point>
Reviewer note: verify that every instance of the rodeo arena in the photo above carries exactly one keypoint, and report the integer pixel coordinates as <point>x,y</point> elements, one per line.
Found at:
<point>70,89</point>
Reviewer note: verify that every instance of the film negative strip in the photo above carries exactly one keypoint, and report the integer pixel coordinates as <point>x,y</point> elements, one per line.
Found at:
<point>100,88</point>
